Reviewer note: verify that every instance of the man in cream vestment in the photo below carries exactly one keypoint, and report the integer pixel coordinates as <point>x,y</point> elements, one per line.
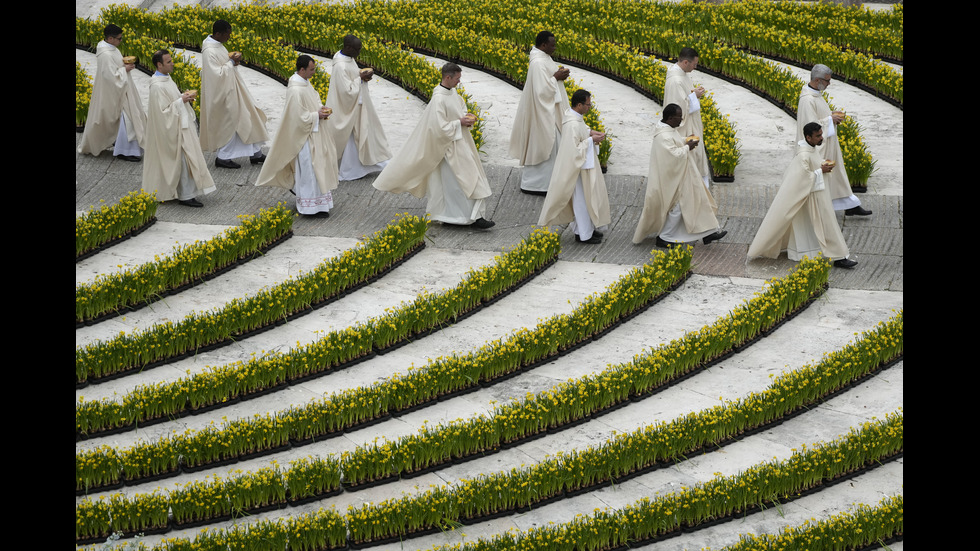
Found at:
<point>354,125</point>
<point>538,122</point>
<point>679,89</point>
<point>813,108</point>
<point>678,207</point>
<point>230,121</point>
<point>174,165</point>
<point>302,156</point>
<point>577,192</point>
<point>801,219</point>
<point>115,113</point>
<point>440,160</point>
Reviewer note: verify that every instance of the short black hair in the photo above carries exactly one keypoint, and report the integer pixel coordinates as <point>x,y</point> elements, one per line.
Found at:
<point>542,38</point>
<point>303,61</point>
<point>451,69</point>
<point>687,53</point>
<point>220,26</point>
<point>350,40</point>
<point>158,57</point>
<point>670,110</point>
<point>810,129</point>
<point>580,96</point>
<point>111,30</point>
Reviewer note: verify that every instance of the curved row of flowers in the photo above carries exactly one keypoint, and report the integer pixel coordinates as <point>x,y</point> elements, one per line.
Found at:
<point>227,384</point>
<point>105,466</point>
<point>188,264</point>
<point>567,403</point>
<point>568,474</point>
<point>334,276</point>
<point>862,527</point>
<point>130,214</point>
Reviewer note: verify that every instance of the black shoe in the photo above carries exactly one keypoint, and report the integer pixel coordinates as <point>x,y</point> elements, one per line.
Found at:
<point>226,163</point>
<point>257,159</point>
<point>599,233</point>
<point>483,224</point>
<point>192,203</point>
<point>715,236</point>
<point>845,263</point>
<point>130,158</point>
<point>534,192</point>
<point>594,240</point>
<point>857,211</point>
<point>665,245</point>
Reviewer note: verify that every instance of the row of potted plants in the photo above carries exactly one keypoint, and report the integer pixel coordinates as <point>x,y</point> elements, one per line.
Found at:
<point>860,528</point>
<point>716,500</point>
<point>186,265</point>
<point>83,95</point>
<point>713,501</point>
<point>105,466</point>
<point>169,341</point>
<point>108,223</point>
<point>337,349</point>
<point>569,473</point>
<point>625,455</point>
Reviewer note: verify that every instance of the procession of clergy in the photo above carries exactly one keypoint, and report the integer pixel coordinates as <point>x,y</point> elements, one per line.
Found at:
<point>320,143</point>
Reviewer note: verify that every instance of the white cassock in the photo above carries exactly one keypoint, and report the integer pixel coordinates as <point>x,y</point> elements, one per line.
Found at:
<point>174,165</point>
<point>677,205</point>
<point>538,122</point>
<point>231,123</point>
<point>115,113</point>
<point>302,155</point>
<point>801,219</point>
<point>577,191</point>
<point>679,89</point>
<point>354,125</point>
<point>440,161</point>
<point>813,108</point>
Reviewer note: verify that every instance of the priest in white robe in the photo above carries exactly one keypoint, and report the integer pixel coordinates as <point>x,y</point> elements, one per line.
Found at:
<point>302,157</point>
<point>677,208</point>
<point>813,108</point>
<point>231,123</point>
<point>354,125</point>
<point>174,165</point>
<point>801,219</point>
<point>577,193</point>
<point>538,122</point>
<point>440,160</point>
<point>115,113</point>
<point>679,89</point>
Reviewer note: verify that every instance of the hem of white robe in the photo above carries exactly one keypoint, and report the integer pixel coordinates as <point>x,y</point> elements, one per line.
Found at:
<point>309,200</point>
<point>350,164</point>
<point>457,208</point>
<point>124,145</point>
<point>187,187</point>
<point>844,203</point>
<point>236,148</point>
<point>538,177</point>
<point>582,226</point>
<point>674,230</point>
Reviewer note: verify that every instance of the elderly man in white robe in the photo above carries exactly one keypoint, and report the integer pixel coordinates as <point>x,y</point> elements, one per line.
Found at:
<point>813,108</point>
<point>174,165</point>
<point>115,113</point>
<point>354,125</point>
<point>677,208</point>
<point>801,219</point>
<point>302,157</point>
<point>440,160</point>
<point>538,122</point>
<point>577,193</point>
<point>679,89</point>
<point>231,123</point>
